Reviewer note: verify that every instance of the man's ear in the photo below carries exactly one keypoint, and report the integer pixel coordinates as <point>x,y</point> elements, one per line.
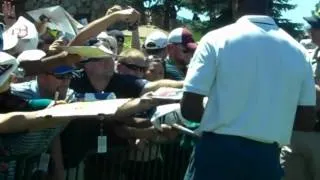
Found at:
<point>41,78</point>
<point>166,50</point>
<point>119,68</point>
<point>171,49</point>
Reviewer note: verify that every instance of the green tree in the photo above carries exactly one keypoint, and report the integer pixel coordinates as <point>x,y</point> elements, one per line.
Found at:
<point>316,10</point>
<point>220,14</point>
<point>167,8</point>
<point>218,11</point>
<point>280,6</point>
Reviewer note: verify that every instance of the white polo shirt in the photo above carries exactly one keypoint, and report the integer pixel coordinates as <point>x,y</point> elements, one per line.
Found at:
<point>255,75</point>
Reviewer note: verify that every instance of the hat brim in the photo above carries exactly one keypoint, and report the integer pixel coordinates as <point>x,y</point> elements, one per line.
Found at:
<point>31,55</point>
<point>63,70</point>
<point>7,59</point>
<point>314,22</point>
<point>9,41</point>
<point>192,46</point>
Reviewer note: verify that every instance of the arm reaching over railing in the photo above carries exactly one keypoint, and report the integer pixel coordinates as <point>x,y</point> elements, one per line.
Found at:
<point>15,122</point>
<point>94,28</point>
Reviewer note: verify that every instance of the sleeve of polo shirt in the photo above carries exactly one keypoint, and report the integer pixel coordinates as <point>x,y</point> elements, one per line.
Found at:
<point>308,91</point>
<point>202,69</point>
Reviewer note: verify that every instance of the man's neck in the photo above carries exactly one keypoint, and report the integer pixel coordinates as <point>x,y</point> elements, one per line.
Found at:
<point>181,66</point>
<point>98,82</point>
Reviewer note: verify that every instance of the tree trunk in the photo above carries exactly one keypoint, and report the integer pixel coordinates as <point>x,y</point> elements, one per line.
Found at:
<point>166,18</point>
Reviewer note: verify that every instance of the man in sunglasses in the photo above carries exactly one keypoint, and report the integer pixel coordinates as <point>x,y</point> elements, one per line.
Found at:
<point>132,62</point>
<point>181,47</point>
<point>47,86</point>
<point>23,131</point>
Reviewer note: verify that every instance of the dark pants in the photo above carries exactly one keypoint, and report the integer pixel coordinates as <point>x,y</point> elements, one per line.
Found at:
<point>189,174</point>
<point>223,157</point>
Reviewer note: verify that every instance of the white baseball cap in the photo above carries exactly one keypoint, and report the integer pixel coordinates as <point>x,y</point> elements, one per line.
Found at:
<point>108,41</point>
<point>156,40</point>
<point>31,55</point>
<point>22,36</point>
<point>8,64</point>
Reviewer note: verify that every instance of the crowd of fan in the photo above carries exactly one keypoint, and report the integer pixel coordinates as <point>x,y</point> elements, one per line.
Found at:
<point>43,72</point>
<point>38,73</point>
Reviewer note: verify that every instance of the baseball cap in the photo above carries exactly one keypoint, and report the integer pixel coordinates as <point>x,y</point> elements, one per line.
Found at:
<point>108,41</point>
<point>182,36</point>
<point>31,55</point>
<point>314,20</point>
<point>8,64</point>
<point>63,69</point>
<point>156,40</point>
<point>117,34</point>
<point>22,35</point>
<point>64,72</point>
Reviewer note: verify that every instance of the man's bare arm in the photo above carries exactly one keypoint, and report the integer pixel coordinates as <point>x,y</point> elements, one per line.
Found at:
<point>150,133</point>
<point>101,24</point>
<point>135,122</point>
<point>27,121</point>
<point>135,39</point>
<point>136,105</point>
<point>318,96</point>
<point>153,86</point>
<point>192,106</point>
<point>305,118</point>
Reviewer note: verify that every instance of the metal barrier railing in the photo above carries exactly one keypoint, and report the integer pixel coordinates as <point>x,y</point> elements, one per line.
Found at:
<point>156,162</point>
<point>166,162</point>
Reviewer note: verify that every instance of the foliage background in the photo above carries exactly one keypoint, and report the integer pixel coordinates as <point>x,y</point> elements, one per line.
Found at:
<point>218,12</point>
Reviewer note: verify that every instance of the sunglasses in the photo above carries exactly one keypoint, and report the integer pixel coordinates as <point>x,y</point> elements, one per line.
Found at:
<point>62,76</point>
<point>97,60</point>
<point>154,58</point>
<point>133,67</point>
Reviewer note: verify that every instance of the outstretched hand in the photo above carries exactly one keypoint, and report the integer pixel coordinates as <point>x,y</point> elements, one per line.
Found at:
<point>130,16</point>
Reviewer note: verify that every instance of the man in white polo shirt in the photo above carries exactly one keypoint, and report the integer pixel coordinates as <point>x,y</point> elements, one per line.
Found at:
<point>259,86</point>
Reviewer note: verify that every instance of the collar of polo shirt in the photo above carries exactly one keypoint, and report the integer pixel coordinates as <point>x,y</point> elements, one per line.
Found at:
<point>258,19</point>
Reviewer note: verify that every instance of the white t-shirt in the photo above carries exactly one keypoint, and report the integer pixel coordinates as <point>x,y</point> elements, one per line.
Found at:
<point>255,76</point>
